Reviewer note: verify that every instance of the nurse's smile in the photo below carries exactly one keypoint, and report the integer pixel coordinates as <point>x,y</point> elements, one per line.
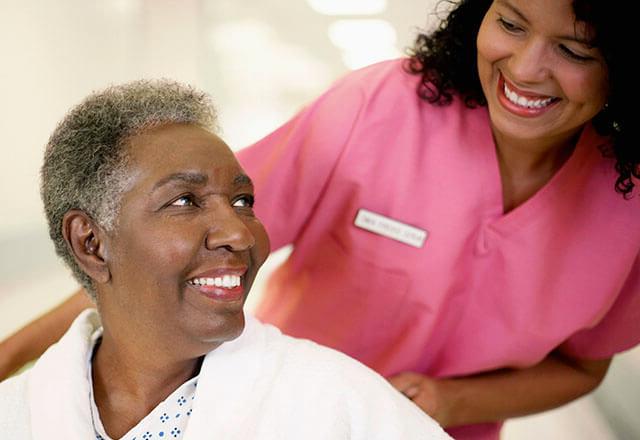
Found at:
<point>540,73</point>
<point>523,103</point>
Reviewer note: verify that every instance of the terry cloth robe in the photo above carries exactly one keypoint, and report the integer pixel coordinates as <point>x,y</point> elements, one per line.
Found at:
<point>262,385</point>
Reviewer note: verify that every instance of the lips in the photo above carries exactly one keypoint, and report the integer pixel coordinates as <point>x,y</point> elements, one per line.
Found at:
<point>521,102</point>
<point>221,284</point>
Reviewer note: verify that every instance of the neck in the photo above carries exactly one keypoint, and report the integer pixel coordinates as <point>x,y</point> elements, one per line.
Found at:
<point>526,166</point>
<point>129,380</point>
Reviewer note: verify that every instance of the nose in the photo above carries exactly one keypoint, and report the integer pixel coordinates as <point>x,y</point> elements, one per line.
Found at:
<point>530,62</point>
<point>228,230</point>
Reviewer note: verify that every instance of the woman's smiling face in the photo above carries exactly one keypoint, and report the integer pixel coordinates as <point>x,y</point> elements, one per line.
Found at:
<point>187,244</point>
<point>541,78</point>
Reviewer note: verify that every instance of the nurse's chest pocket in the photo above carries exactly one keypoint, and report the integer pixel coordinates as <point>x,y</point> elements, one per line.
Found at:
<point>359,305</point>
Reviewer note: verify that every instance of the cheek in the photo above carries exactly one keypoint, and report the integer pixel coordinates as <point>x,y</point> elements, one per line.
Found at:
<point>490,48</point>
<point>481,45</point>
<point>489,43</point>
<point>158,253</point>
<point>171,253</point>
<point>260,251</point>
<point>585,88</point>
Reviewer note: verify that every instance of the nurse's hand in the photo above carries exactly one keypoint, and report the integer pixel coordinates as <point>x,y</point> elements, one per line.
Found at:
<point>425,392</point>
<point>505,393</point>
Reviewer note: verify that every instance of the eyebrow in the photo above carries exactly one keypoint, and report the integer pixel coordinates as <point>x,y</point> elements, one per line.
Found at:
<point>242,179</point>
<point>197,179</point>
<point>189,178</point>
<point>574,37</point>
<point>514,10</point>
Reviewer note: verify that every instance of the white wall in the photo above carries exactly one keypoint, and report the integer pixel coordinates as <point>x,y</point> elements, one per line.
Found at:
<point>55,53</point>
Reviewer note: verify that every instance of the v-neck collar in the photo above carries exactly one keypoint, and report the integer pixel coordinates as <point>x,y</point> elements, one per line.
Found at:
<point>530,210</point>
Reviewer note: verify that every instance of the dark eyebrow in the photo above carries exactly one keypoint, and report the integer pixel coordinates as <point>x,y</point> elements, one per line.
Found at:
<point>574,37</point>
<point>514,10</point>
<point>197,179</point>
<point>189,178</point>
<point>242,179</point>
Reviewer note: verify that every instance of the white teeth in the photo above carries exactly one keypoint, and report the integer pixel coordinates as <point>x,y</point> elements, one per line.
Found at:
<point>524,102</point>
<point>226,281</point>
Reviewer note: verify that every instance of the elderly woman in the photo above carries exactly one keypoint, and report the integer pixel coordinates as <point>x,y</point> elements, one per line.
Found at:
<point>153,214</point>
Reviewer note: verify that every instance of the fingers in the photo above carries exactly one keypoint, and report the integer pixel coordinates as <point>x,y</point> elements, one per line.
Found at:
<point>420,389</point>
<point>407,383</point>
<point>411,392</point>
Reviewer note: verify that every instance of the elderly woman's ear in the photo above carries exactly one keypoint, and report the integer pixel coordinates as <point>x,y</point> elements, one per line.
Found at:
<point>85,238</point>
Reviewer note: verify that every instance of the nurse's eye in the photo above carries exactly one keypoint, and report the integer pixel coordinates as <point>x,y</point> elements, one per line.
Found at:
<point>573,55</point>
<point>184,200</point>
<point>244,201</point>
<point>509,26</point>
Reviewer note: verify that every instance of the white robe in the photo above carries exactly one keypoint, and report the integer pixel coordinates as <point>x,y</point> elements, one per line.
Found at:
<point>262,385</point>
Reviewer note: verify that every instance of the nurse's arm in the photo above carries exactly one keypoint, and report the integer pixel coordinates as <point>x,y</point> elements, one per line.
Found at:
<point>503,394</point>
<point>32,340</point>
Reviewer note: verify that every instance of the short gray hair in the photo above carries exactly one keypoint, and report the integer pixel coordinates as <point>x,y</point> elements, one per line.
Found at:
<point>85,163</point>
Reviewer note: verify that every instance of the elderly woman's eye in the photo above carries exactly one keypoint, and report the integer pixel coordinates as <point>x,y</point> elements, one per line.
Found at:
<point>186,200</point>
<point>243,202</point>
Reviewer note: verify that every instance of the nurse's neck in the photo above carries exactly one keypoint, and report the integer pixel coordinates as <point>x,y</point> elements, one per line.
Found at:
<point>526,165</point>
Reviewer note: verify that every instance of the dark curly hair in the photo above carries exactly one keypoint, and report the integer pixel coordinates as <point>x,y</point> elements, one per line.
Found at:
<point>446,60</point>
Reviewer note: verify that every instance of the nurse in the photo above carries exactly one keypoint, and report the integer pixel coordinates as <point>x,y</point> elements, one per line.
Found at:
<point>470,233</point>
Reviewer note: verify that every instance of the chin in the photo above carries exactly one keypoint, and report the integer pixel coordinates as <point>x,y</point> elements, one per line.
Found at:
<point>222,329</point>
<point>515,128</point>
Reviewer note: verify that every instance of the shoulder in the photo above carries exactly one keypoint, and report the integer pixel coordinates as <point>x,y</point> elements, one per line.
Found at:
<point>367,91</point>
<point>596,176</point>
<point>346,388</point>
<point>13,394</point>
<point>319,363</point>
<point>389,80</point>
<point>355,109</point>
<point>382,83</point>
<point>297,351</point>
<point>390,73</point>
<point>329,120</point>
<point>390,100</point>
<point>14,410</point>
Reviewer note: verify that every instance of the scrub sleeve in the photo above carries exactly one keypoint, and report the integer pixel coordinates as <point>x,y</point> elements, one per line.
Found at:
<point>618,330</point>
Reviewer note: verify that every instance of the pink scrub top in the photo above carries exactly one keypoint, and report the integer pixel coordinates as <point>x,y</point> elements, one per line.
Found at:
<point>486,290</point>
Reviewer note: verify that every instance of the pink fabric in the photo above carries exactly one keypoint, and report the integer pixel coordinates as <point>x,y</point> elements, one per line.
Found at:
<point>487,290</point>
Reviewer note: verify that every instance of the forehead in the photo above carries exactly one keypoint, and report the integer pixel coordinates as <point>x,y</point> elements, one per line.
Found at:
<point>179,147</point>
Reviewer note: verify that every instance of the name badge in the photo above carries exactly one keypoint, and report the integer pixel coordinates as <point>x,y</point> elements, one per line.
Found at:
<point>390,228</point>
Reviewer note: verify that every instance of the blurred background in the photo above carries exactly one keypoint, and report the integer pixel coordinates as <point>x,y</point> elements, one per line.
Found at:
<point>261,60</point>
